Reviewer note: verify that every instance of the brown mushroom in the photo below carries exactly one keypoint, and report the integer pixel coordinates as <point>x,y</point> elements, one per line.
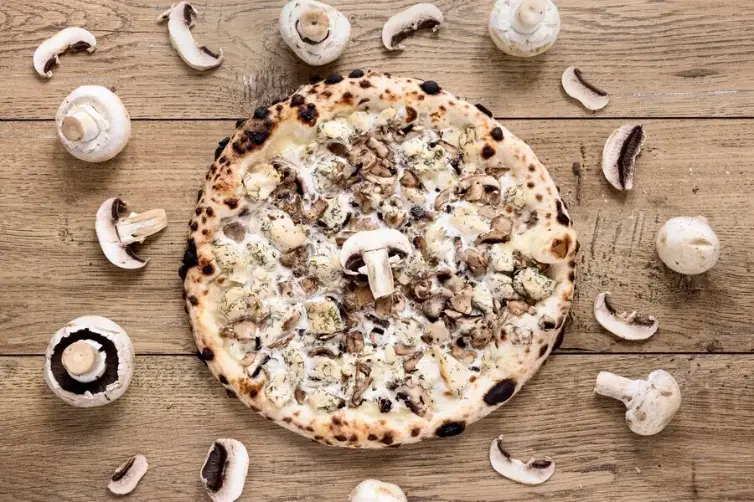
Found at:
<point>354,342</point>
<point>409,365</point>
<point>432,308</point>
<point>416,398</point>
<point>476,261</point>
<point>461,302</point>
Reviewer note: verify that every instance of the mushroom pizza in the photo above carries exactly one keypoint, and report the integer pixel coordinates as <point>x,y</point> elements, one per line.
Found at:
<point>373,261</point>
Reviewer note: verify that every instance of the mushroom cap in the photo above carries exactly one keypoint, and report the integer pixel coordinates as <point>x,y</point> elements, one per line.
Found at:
<point>574,84</point>
<point>396,243</point>
<point>224,471</point>
<point>654,404</point>
<point>688,245</point>
<point>127,475</point>
<point>401,25</point>
<point>626,326</point>
<point>181,17</point>
<point>314,53</point>
<point>619,155</point>
<point>533,472</point>
<point>373,490</point>
<point>106,121</point>
<point>119,253</point>
<point>119,360</point>
<point>74,38</point>
<point>524,28</point>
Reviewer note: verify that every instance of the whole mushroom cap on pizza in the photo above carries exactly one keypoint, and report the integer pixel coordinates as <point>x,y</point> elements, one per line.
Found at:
<point>373,262</point>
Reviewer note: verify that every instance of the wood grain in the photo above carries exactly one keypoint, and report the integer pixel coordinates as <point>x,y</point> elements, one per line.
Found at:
<point>664,58</point>
<point>175,409</point>
<point>55,271</point>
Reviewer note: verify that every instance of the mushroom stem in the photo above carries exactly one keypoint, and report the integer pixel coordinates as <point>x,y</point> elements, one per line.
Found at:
<point>615,386</point>
<point>313,25</point>
<point>138,227</point>
<point>80,124</point>
<point>379,272</point>
<point>529,15</point>
<point>79,358</point>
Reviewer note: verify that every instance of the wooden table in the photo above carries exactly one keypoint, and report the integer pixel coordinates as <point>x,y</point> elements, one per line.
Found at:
<point>683,68</point>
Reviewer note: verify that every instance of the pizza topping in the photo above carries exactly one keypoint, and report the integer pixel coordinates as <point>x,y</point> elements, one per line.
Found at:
<point>416,398</point>
<point>651,403</point>
<point>524,28</point>
<point>530,283</point>
<point>116,235</point>
<point>316,32</point>
<point>74,39</point>
<point>372,490</point>
<point>453,372</point>
<point>688,245</point>
<point>374,253</point>
<point>261,180</point>
<point>278,389</point>
<point>231,262</point>
<point>480,188</point>
<point>407,21</point>
<point>239,303</point>
<point>127,476</point>
<point>223,474</point>
<point>619,155</point>
<point>533,472</point>
<point>501,258</point>
<point>281,230</point>
<point>578,88</point>
<point>181,18</point>
<point>324,317</point>
<point>323,400</point>
<point>337,214</point>
<point>626,326</point>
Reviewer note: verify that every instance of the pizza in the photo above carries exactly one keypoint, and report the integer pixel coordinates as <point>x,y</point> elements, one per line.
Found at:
<point>373,262</point>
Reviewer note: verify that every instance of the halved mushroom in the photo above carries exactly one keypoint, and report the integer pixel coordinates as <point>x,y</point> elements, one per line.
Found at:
<point>224,471</point>
<point>318,33</point>
<point>47,54</point>
<point>116,234</point>
<point>373,253</point>
<point>180,18</point>
<point>627,326</point>
<point>89,362</point>
<point>404,23</point>
<point>575,86</point>
<point>533,472</point>
<point>93,124</point>
<point>373,490</point>
<point>127,476</point>
<point>619,155</point>
<point>524,28</point>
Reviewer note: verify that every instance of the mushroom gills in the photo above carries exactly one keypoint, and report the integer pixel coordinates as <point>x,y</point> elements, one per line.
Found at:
<point>627,326</point>
<point>224,471</point>
<point>127,476</point>
<point>47,54</point>
<point>619,155</point>
<point>533,472</point>
<point>404,23</point>
<point>116,235</point>
<point>578,88</point>
<point>181,18</point>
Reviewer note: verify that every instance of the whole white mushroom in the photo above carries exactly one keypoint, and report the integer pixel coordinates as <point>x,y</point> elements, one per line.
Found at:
<point>688,245</point>
<point>318,33</point>
<point>524,28</point>
<point>373,490</point>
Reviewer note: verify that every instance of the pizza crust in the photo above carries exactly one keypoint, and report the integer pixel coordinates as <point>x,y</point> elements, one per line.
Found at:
<point>550,238</point>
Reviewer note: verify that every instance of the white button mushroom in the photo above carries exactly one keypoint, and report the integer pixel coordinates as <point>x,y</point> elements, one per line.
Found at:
<point>578,88</point>
<point>373,490</point>
<point>626,326</point>
<point>116,234</point>
<point>524,28</point>
<point>404,23</point>
<point>93,124</point>
<point>316,32</point>
<point>47,54</point>
<point>127,476</point>
<point>180,18</point>
<point>651,403</point>
<point>619,155</point>
<point>89,362</point>
<point>224,471</point>
<point>373,253</point>
<point>688,245</point>
<point>533,472</point>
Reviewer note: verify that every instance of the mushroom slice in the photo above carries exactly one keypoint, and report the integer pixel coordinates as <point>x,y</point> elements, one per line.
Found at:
<point>89,362</point>
<point>401,25</point>
<point>180,18</point>
<point>524,28</point>
<point>116,234</point>
<point>627,326</point>
<point>47,54</point>
<point>373,253</point>
<point>575,86</point>
<point>127,476</point>
<point>93,124</point>
<point>318,33</point>
<point>619,155</point>
<point>224,471</point>
<point>373,490</point>
<point>533,472</point>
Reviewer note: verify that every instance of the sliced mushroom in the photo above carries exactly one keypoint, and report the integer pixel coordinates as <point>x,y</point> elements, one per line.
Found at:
<point>433,308</point>
<point>416,398</point>
<point>619,155</point>
<point>373,490</point>
<point>116,234</point>
<point>404,23</point>
<point>127,476</point>
<point>46,57</point>
<point>579,89</point>
<point>93,124</point>
<point>688,245</point>
<point>524,28</point>
<point>533,472</point>
<point>224,471</point>
<point>318,33</point>
<point>180,18</point>
<point>373,253</point>
<point>89,362</point>
<point>461,302</point>
<point>626,326</point>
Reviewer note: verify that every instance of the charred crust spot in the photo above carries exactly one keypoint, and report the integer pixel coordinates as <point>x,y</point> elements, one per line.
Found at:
<point>363,100</point>
<point>315,79</point>
<point>206,354</point>
<point>571,276</point>
<point>415,431</point>
<point>210,212</point>
<point>253,393</point>
<point>336,421</point>
<point>543,350</point>
<point>308,114</point>
<point>353,438</point>
<point>356,74</point>
<point>530,184</point>
<point>430,87</point>
<point>279,107</point>
<point>387,439</point>
<point>223,380</point>
<point>497,134</point>
<point>347,97</point>
<point>333,78</point>
<point>310,428</point>
<point>449,429</point>
<point>372,437</point>
<point>411,114</point>
<point>231,393</point>
<point>562,217</point>
<point>193,300</point>
<point>287,420</point>
<point>261,112</point>
<point>483,109</point>
<point>206,232</point>
<point>240,123</point>
<point>326,94</point>
<point>487,152</point>
<point>538,197</point>
<point>231,203</point>
<point>297,100</point>
<point>194,226</point>
<point>258,137</point>
<point>190,258</point>
<point>208,269</point>
<point>341,437</point>
<point>500,392</point>
<point>532,168</point>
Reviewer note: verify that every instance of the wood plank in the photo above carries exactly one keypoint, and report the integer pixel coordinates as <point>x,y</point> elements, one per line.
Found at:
<point>654,58</point>
<point>54,270</point>
<point>175,409</point>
